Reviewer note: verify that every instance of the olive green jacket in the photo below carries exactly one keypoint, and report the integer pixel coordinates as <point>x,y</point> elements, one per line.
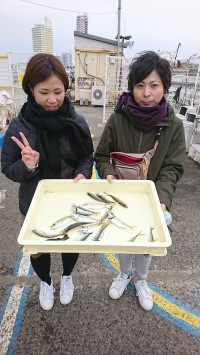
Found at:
<point>167,165</point>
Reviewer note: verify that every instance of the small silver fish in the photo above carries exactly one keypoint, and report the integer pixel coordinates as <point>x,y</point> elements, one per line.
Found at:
<point>151,235</point>
<point>118,222</point>
<point>135,235</point>
<point>83,219</point>
<point>65,237</point>
<point>61,222</point>
<point>94,196</point>
<point>105,234</point>
<point>82,210</point>
<point>45,232</point>
<point>116,199</point>
<point>102,195</point>
<point>105,216</point>
<point>82,237</point>
<point>48,233</point>
<point>95,206</point>
<point>96,234</point>
<point>89,228</point>
<point>74,225</point>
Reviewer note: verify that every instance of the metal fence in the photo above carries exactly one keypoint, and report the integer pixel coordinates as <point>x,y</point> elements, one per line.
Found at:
<point>13,64</point>
<point>116,73</point>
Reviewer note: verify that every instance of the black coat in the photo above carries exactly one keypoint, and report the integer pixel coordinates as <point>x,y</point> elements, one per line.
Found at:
<point>15,170</point>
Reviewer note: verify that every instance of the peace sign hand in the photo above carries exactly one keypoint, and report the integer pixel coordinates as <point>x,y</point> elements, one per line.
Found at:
<point>30,157</point>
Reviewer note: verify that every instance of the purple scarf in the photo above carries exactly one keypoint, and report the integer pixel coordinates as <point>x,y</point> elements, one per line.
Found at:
<point>146,118</point>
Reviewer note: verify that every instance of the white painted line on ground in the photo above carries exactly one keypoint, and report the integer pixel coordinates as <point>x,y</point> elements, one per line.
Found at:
<point>10,314</point>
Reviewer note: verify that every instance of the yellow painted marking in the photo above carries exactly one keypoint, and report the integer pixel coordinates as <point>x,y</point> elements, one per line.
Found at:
<point>93,173</point>
<point>175,310</point>
<point>114,261</point>
<point>163,303</point>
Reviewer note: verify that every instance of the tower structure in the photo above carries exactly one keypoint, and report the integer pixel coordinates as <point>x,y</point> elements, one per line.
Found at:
<point>66,59</point>
<point>42,37</point>
<point>82,23</point>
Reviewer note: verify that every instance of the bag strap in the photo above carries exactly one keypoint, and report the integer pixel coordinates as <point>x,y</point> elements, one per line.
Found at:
<point>157,138</point>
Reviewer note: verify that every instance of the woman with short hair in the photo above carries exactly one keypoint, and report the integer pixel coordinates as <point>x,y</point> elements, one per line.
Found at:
<point>139,115</point>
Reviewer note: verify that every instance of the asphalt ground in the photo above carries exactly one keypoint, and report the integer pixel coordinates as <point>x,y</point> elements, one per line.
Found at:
<point>93,323</point>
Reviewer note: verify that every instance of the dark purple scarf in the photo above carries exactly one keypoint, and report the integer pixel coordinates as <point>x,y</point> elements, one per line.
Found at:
<point>146,118</point>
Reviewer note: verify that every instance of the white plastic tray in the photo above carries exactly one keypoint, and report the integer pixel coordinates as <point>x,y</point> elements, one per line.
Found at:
<point>53,199</point>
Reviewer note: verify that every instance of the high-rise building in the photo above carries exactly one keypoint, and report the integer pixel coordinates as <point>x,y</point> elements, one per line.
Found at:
<point>42,37</point>
<point>66,59</point>
<point>82,23</point>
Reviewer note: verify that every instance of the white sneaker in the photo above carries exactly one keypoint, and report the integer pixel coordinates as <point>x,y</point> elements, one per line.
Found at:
<point>46,296</point>
<point>66,289</point>
<point>119,285</point>
<point>145,297</point>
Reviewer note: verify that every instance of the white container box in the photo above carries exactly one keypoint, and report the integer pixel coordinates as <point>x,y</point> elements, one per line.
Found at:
<point>197,157</point>
<point>188,129</point>
<point>53,200</point>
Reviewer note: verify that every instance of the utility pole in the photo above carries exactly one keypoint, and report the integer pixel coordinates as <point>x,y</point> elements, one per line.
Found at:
<point>118,27</point>
<point>177,50</point>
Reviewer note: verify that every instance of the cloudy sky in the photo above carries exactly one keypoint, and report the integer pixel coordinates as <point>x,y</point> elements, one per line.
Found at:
<point>153,24</point>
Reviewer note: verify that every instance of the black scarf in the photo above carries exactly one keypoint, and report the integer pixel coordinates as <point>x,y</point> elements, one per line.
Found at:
<point>145,118</point>
<point>50,125</point>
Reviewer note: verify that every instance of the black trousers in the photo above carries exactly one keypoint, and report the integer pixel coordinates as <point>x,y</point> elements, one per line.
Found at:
<point>42,265</point>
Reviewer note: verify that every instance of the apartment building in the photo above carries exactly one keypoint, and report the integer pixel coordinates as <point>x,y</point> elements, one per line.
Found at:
<point>42,37</point>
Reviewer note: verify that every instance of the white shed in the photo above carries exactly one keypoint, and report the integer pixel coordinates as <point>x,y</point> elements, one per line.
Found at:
<point>90,64</point>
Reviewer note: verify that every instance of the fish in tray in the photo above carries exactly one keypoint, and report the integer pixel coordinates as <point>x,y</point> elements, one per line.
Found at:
<point>89,228</point>
<point>77,210</point>
<point>82,237</point>
<point>61,222</point>
<point>104,197</point>
<point>83,219</point>
<point>93,234</point>
<point>148,237</point>
<point>152,237</point>
<point>65,237</point>
<point>116,199</point>
<point>95,206</point>
<point>95,196</point>
<point>83,210</point>
<point>118,222</point>
<point>49,233</point>
<point>136,233</point>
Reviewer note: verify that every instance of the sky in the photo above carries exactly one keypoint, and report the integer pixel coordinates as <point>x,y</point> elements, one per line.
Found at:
<point>158,25</point>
